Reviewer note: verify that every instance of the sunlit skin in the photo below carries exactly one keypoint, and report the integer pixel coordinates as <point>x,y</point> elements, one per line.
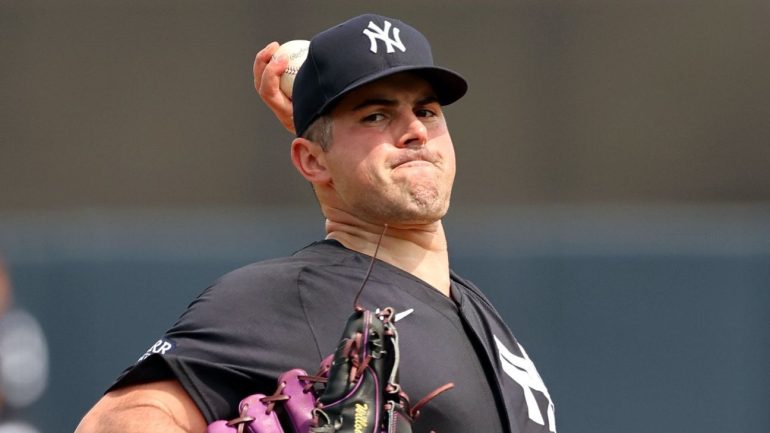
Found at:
<point>391,160</point>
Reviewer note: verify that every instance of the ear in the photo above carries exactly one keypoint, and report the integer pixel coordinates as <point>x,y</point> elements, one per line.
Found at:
<point>310,161</point>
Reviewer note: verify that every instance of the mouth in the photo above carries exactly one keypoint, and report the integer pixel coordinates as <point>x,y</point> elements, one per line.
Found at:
<point>414,163</point>
<point>415,160</point>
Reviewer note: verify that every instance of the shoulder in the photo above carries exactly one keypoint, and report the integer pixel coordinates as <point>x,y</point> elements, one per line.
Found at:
<point>276,275</point>
<point>259,292</point>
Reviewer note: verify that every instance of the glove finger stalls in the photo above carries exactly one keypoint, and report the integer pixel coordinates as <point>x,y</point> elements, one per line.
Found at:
<point>254,418</point>
<point>299,406</point>
<point>264,420</point>
<point>220,426</point>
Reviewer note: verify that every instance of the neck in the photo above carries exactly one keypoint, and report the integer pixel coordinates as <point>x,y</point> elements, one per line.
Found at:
<point>419,249</point>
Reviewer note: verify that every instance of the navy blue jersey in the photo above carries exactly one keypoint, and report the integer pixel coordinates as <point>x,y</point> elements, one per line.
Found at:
<point>261,320</point>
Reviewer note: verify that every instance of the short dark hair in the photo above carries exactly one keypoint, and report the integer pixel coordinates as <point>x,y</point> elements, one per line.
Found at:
<point>320,131</point>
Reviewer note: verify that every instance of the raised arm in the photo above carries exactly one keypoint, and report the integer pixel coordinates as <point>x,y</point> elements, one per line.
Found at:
<point>267,77</point>
<point>157,407</point>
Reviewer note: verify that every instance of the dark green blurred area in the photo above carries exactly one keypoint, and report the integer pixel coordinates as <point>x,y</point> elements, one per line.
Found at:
<point>613,191</point>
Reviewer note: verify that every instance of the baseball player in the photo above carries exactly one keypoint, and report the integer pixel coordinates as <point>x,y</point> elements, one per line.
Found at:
<point>373,142</point>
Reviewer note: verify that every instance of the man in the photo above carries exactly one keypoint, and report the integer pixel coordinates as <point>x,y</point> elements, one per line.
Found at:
<point>374,144</point>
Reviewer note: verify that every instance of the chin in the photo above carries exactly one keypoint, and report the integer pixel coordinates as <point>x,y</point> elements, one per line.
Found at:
<point>426,215</point>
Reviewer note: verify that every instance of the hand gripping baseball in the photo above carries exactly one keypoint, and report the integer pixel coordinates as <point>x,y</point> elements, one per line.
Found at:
<point>268,71</point>
<point>355,391</point>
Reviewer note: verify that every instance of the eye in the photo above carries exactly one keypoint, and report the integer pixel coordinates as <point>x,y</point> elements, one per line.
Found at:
<point>374,117</point>
<point>425,113</point>
<point>428,109</point>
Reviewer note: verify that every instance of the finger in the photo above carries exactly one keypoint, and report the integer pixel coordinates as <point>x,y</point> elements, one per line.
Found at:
<point>267,77</point>
<point>261,60</point>
<point>270,92</point>
<point>271,77</point>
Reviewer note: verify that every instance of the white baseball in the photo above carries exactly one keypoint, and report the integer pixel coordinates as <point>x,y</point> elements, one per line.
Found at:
<point>296,52</point>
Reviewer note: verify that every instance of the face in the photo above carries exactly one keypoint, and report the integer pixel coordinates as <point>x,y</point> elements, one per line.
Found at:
<point>391,159</point>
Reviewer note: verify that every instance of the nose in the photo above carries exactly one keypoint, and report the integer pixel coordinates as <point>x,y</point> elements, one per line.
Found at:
<point>415,134</point>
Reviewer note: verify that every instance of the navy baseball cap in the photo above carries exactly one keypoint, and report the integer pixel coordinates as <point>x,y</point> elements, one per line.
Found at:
<point>359,51</point>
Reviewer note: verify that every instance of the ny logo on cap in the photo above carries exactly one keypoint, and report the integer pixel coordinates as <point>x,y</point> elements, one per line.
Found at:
<point>374,33</point>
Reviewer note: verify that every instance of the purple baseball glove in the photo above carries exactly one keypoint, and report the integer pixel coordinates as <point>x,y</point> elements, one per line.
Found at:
<point>355,391</point>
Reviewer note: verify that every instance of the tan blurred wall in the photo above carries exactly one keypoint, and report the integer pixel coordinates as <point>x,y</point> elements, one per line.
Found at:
<point>149,103</point>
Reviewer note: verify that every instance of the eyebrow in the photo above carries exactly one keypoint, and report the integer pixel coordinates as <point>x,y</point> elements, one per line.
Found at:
<point>390,102</point>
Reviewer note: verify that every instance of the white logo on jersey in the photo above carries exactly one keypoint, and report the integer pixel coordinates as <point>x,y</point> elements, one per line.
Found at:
<point>376,33</point>
<point>397,316</point>
<point>403,314</point>
<point>523,371</point>
<point>161,346</point>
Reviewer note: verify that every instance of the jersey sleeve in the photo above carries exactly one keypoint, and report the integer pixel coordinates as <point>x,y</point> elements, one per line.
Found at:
<point>218,363</point>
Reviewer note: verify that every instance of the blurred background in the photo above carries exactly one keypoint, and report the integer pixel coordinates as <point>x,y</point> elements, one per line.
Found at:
<point>612,198</point>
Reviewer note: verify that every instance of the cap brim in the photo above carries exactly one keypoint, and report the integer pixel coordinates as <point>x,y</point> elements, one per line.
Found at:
<point>448,85</point>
